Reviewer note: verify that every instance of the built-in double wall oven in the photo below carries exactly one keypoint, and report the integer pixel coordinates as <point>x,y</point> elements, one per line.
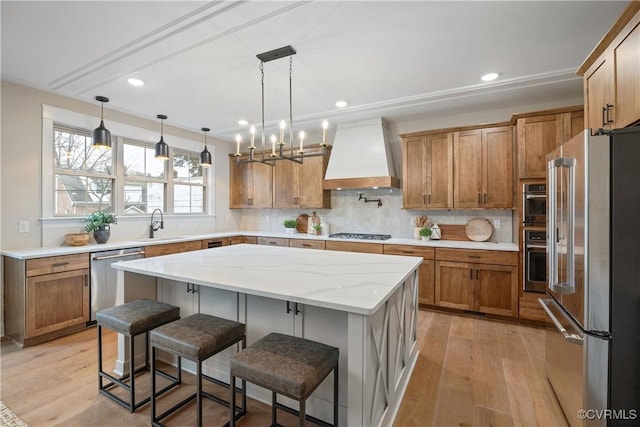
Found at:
<point>534,238</point>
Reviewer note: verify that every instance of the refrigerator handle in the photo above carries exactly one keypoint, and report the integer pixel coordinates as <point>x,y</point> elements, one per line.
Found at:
<point>552,229</point>
<point>572,338</point>
<point>569,287</point>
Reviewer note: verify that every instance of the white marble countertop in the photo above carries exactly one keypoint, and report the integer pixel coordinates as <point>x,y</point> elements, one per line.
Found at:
<point>347,281</point>
<point>69,250</point>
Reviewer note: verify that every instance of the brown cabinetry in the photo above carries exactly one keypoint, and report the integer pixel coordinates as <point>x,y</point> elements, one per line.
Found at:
<point>426,289</point>
<point>483,281</point>
<point>540,134</point>
<point>483,165</point>
<point>372,248</point>
<point>172,248</point>
<point>427,180</point>
<point>273,241</point>
<point>236,240</point>
<point>307,243</point>
<point>46,297</point>
<point>300,185</point>
<point>612,75</point>
<point>250,185</point>
<point>214,243</point>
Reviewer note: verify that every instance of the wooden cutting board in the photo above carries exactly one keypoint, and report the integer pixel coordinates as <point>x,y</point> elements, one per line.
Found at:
<point>452,232</point>
<point>479,229</point>
<point>302,223</point>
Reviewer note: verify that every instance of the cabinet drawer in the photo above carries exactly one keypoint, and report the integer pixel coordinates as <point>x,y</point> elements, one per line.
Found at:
<point>273,241</point>
<point>236,240</point>
<point>372,248</point>
<point>171,248</point>
<point>424,252</point>
<point>56,264</point>
<point>307,243</point>
<point>477,256</point>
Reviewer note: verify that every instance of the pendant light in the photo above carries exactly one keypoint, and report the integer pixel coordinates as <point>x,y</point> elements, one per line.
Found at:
<point>101,135</point>
<point>162,149</point>
<point>205,155</point>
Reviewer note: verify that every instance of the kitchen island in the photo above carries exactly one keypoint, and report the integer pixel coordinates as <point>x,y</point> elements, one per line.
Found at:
<point>364,304</point>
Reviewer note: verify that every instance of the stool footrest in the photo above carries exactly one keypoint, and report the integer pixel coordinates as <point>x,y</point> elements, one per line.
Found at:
<point>313,419</point>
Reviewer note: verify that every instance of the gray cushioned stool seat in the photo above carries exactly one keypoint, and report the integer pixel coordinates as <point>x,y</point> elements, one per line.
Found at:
<point>288,365</point>
<point>137,316</point>
<point>197,337</point>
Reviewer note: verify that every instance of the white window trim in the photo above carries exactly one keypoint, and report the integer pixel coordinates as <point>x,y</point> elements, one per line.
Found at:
<point>51,115</point>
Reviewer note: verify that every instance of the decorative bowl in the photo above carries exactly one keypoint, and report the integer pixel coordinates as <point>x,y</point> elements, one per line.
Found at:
<point>76,239</point>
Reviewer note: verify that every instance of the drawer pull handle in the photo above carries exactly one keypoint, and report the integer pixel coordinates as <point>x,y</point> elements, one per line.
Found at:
<point>306,245</point>
<point>272,243</point>
<point>60,264</point>
<point>475,256</point>
<point>407,252</point>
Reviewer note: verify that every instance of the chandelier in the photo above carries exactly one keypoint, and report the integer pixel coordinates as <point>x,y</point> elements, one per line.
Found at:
<point>278,149</point>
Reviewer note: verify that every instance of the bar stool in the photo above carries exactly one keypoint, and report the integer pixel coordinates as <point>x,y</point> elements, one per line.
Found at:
<point>291,366</point>
<point>197,338</point>
<point>132,319</point>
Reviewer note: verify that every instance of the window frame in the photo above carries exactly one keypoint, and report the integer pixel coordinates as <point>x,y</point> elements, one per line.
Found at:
<point>70,119</point>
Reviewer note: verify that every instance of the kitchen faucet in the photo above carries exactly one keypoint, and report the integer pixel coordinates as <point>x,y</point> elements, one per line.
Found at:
<point>154,224</point>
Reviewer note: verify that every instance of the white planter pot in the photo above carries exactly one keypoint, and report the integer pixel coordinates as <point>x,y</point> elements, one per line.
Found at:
<point>290,230</point>
<point>425,238</point>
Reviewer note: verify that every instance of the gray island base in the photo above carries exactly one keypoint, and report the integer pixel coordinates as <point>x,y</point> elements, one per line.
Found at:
<point>364,304</point>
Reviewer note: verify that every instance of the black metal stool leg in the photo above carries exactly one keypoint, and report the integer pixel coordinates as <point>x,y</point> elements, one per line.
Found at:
<point>274,415</point>
<point>199,392</point>
<point>132,374</point>
<point>232,402</point>
<point>335,395</point>
<point>302,412</point>
<point>99,356</point>
<point>153,385</point>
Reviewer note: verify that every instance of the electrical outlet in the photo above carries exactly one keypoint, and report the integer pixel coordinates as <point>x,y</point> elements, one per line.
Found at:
<point>497,224</point>
<point>23,226</point>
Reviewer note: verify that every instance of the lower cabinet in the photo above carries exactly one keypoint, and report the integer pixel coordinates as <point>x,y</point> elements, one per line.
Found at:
<point>307,243</point>
<point>45,297</point>
<point>172,248</point>
<point>273,241</point>
<point>426,290</point>
<point>476,286</point>
<point>236,240</point>
<point>372,248</point>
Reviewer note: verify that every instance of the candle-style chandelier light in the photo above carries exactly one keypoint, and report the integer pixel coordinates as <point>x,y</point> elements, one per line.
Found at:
<point>278,150</point>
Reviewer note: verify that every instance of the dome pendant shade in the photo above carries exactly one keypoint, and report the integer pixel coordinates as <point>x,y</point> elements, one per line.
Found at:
<point>101,137</point>
<point>205,155</point>
<point>205,158</point>
<point>162,150</point>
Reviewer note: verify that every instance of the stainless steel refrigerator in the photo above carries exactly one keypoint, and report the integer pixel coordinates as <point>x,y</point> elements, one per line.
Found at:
<point>592,302</point>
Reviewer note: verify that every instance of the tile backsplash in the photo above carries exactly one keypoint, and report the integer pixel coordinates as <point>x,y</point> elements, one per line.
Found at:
<point>348,214</point>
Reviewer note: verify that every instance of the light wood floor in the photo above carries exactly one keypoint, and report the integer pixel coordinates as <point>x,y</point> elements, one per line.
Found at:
<point>470,372</point>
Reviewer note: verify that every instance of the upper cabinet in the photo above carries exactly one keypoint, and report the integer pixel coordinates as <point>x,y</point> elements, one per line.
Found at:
<point>300,185</point>
<point>286,185</point>
<point>483,165</point>
<point>612,75</point>
<point>427,180</point>
<point>540,133</point>
<point>250,185</point>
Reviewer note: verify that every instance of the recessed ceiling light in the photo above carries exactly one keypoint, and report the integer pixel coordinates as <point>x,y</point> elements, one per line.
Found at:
<point>489,77</point>
<point>243,122</point>
<point>341,104</point>
<point>135,82</point>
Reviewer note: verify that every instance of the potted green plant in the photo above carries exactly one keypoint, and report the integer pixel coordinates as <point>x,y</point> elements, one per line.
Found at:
<point>290,226</point>
<point>100,223</point>
<point>317,228</point>
<point>425,233</point>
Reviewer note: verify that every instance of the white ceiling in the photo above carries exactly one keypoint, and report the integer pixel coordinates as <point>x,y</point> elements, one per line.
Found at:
<point>399,60</point>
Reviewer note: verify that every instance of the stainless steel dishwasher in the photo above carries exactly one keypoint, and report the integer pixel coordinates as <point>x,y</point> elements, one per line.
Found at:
<point>103,291</point>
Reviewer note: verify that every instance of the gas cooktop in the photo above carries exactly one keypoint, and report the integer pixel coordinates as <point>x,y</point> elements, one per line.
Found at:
<point>360,236</point>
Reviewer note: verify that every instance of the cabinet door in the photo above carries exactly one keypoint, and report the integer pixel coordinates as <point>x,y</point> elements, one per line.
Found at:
<point>310,176</point>
<point>496,289</point>
<point>454,285</point>
<point>261,185</point>
<point>414,175</point>
<point>573,125</point>
<point>599,93</point>
<point>537,137</point>
<point>56,301</point>
<point>439,170</point>
<point>285,181</point>
<point>467,152</point>
<point>239,184</point>
<point>426,291</point>
<point>627,79</point>
<point>179,294</point>
<point>497,167</point>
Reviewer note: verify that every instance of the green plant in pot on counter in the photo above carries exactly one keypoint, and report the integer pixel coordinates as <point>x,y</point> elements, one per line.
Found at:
<point>425,233</point>
<point>100,223</point>
<point>290,225</point>
<point>317,228</point>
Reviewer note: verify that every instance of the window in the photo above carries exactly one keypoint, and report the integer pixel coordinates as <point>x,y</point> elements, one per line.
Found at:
<point>145,182</point>
<point>83,175</point>
<point>188,183</point>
